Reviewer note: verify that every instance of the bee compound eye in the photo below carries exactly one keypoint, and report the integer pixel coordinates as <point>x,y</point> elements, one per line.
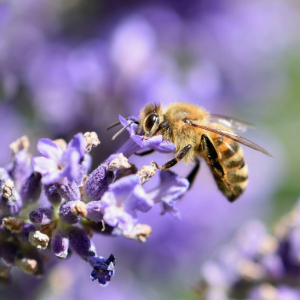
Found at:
<point>150,121</point>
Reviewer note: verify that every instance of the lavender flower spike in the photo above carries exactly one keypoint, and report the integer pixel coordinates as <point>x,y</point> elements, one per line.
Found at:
<point>121,202</point>
<point>55,163</point>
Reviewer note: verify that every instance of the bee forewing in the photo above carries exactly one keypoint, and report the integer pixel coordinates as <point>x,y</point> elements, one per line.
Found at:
<point>234,137</point>
<point>235,124</point>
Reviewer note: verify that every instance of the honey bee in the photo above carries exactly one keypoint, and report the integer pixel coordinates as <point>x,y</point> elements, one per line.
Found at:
<point>196,133</point>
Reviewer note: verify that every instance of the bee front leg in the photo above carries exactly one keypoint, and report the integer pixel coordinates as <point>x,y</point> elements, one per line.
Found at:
<point>179,156</point>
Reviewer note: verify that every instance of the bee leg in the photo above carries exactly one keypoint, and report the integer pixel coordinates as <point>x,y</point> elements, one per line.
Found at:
<point>144,153</point>
<point>213,160</point>
<point>191,177</point>
<point>179,156</point>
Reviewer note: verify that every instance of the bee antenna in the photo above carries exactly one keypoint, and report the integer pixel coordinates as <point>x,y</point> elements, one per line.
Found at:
<point>121,130</point>
<point>113,125</point>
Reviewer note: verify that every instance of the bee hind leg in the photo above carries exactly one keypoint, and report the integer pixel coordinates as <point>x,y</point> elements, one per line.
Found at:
<point>191,177</point>
<point>144,153</point>
<point>179,156</point>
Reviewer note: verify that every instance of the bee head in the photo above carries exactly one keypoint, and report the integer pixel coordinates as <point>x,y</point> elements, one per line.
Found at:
<point>151,123</point>
<point>149,119</point>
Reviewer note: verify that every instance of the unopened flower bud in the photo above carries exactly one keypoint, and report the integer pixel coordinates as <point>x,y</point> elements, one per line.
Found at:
<point>31,189</point>
<point>60,244</point>
<point>10,202</point>
<point>52,194</point>
<point>68,190</point>
<point>97,183</point>
<point>66,214</point>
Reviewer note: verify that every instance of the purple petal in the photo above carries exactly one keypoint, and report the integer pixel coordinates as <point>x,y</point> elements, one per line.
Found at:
<point>108,199</point>
<point>78,143</point>
<point>111,215</point>
<point>164,147</point>
<point>156,142</point>
<point>171,188</point>
<point>104,269</point>
<point>132,128</point>
<point>51,177</point>
<point>87,163</point>
<point>127,220</point>
<point>129,148</point>
<point>114,216</point>
<point>174,211</point>
<point>46,167</point>
<point>71,168</point>
<point>49,149</point>
<point>139,200</point>
<point>123,187</point>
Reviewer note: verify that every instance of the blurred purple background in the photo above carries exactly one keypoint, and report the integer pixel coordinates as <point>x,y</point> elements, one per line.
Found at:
<point>74,66</point>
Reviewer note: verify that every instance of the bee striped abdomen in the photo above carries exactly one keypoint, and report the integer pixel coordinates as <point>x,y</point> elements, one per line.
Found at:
<point>235,180</point>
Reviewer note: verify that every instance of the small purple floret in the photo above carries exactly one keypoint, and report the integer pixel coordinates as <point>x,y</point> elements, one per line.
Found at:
<point>104,269</point>
<point>55,163</point>
<point>123,199</point>
<point>170,189</point>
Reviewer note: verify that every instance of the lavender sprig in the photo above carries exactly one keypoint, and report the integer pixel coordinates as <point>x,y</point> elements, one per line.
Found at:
<point>257,265</point>
<point>105,201</point>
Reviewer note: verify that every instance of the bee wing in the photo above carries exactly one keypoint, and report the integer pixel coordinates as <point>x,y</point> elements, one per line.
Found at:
<point>235,124</point>
<point>234,137</point>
